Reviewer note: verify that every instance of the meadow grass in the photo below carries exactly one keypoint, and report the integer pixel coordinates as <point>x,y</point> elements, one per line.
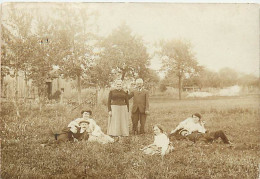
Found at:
<point>24,157</point>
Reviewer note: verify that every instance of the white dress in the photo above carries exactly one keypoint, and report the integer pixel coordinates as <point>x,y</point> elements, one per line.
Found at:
<point>161,145</point>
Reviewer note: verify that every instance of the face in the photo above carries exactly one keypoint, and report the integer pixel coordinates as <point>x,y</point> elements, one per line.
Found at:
<point>86,115</point>
<point>139,83</point>
<point>119,85</point>
<point>84,125</point>
<point>196,119</point>
<point>156,130</point>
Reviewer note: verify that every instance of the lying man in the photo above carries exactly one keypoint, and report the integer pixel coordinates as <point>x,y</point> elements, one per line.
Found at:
<point>94,131</point>
<point>76,131</point>
<point>193,129</point>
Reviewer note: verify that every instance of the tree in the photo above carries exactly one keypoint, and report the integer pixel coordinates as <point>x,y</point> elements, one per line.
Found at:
<point>228,76</point>
<point>248,80</point>
<point>207,78</point>
<point>179,60</point>
<point>78,39</point>
<point>124,54</point>
<point>16,48</point>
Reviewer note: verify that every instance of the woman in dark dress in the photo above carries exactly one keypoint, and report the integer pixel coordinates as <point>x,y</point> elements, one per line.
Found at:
<point>118,109</point>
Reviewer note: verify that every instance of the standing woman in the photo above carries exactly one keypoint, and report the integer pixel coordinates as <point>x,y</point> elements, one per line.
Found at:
<point>118,109</point>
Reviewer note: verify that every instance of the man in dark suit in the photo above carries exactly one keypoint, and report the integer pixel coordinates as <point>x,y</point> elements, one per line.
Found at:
<point>140,107</point>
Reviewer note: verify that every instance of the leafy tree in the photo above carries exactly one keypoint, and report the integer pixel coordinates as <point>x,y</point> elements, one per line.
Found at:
<point>206,78</point>
<point>78,39</point>
<point>248,80</point>
<point>17,47</point>
<point>228,77</point>
<point>163,87</point>
<point>125,54</point>
<point>178,60</point>
<point>151,78</point>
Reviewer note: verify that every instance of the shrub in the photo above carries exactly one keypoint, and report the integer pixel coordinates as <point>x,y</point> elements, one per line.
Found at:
<point>162,87</point>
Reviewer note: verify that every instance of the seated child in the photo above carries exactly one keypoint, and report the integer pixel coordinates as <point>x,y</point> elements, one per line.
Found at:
<point>161,144</point>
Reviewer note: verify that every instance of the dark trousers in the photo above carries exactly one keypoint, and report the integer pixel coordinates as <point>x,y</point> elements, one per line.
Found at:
<point>136,116</point>
<point>207,137</point>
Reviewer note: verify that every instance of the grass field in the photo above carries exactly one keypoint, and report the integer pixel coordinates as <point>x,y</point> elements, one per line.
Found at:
<point>24,157</point>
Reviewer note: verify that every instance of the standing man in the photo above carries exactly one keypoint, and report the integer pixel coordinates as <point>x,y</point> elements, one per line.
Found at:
<point>140,107</point>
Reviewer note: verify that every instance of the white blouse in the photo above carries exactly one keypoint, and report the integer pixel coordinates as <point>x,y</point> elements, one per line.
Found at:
<point>191,126</point>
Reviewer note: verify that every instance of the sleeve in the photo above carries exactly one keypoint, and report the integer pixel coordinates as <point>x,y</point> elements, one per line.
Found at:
<point>202,128</point>
<point>73,124</point>
<point>109,101</point>
<point>130,95</point>
<point>147,101</point>
<point>181,125</point>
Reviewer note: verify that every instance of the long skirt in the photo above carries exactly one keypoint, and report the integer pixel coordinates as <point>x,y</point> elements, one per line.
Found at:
<point>118,124</point>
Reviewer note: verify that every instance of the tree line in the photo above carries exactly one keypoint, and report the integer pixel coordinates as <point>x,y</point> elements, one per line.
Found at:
<point>63,41</point>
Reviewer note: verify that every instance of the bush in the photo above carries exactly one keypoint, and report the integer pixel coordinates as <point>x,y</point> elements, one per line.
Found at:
<point>162,88</point>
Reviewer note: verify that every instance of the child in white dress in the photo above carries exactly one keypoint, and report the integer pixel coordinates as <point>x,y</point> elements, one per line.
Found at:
<point>161,144</point>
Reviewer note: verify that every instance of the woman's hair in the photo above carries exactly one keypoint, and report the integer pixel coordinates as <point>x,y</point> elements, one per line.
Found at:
<point>89,111</point>
<point>160,127</point>
<point>197,115</point>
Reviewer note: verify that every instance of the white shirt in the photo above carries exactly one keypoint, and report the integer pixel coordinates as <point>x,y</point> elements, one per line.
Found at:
<point>191,126</point>
<point>162,141</point>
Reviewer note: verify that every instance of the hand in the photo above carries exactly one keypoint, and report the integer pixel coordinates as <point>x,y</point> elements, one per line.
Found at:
<point>110,113</point>
<point>146,112</point>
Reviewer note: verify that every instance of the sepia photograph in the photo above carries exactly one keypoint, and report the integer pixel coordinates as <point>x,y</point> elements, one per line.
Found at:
<point>130,90</point>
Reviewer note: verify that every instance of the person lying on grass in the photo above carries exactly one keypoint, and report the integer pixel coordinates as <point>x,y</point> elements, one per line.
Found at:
<point>193,129</point>
<point>161,144</point>
<point>74,132</point>
<point>94,131</point>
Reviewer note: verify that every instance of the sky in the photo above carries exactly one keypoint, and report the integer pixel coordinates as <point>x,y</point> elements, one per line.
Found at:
<point>222,35</point>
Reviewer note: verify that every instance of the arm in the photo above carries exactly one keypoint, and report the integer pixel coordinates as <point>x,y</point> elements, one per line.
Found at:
<point>147,102</point>
<point>181,125</point>
<point>202,129</point>
<point>73,125</point>
<point>130,95</point>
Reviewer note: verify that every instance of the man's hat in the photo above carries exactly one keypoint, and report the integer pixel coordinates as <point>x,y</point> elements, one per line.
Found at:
<point>83,121</point>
